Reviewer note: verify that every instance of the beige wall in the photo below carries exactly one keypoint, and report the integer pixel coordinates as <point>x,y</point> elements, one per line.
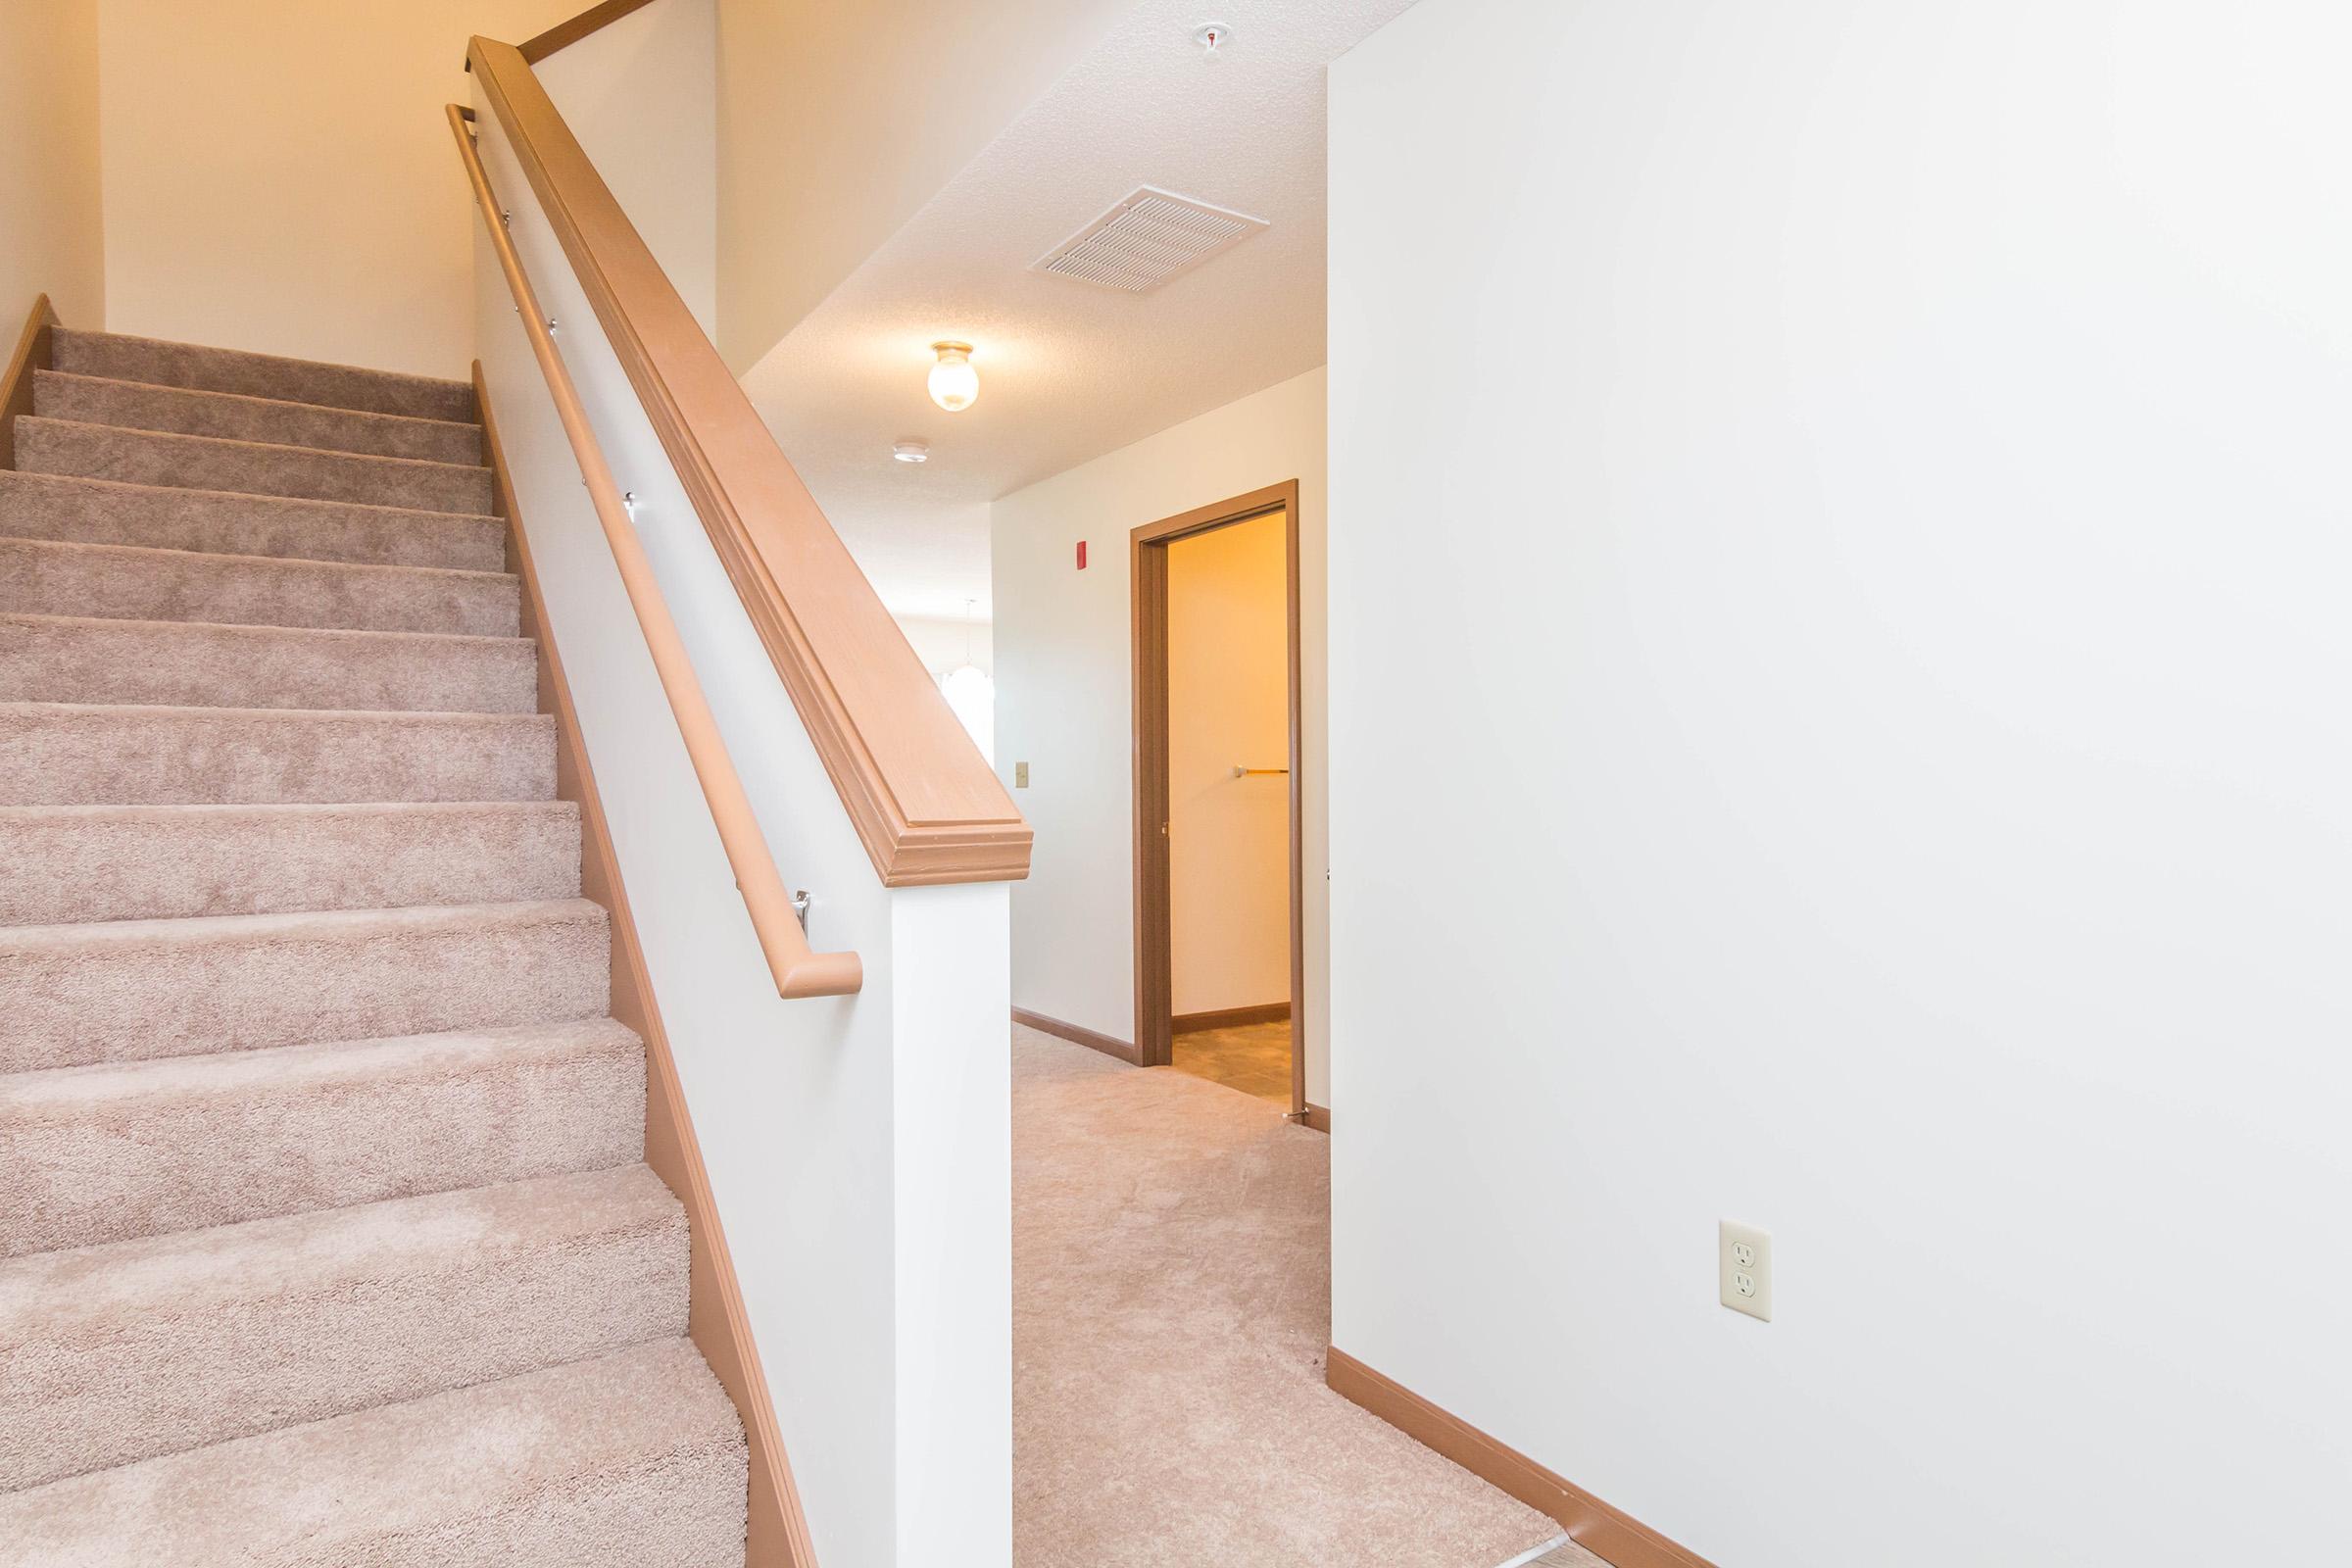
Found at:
<point>837,122</point>
<point>1229,706</point>
<point>1065,699</point>
<point>50,229</point>
<point>279,176</point>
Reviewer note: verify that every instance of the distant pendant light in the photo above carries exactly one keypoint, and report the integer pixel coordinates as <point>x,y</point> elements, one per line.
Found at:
<point>954,384</point>
<point>972,695</point>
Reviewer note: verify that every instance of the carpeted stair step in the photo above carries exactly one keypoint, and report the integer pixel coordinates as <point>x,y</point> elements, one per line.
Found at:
<point>138,406</point>
<point>633,1460</point>
<point>122,1149</point>
<point>58,753</point>
<point>125,582</point>
<point>101,512</point>
<point>69,864</point>
<point>63,659</point>
<point>208,463</point>
<point>117,1353</point>
<point>139,990</point>
<point>122,358</point>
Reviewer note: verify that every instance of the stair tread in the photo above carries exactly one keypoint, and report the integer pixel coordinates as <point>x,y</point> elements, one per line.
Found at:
<point>262,467</point>
<point>132,990</point>
<point>150,582</point>
<point>634,1459</point>
<point>324,636</point>
<point>179,862</point>
<point>279,448</point>
<point>129,1350</point>
<point>161,361</point>
<point>71,509</point>
<point>149,753</point>
<point>347,925</point>
<point>132,405</point>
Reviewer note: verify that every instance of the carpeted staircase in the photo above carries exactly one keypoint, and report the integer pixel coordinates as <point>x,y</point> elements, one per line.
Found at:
<point>324,1237</point>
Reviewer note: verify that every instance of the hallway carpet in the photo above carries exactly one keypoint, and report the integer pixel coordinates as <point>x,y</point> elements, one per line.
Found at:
<point>1171,1306</point>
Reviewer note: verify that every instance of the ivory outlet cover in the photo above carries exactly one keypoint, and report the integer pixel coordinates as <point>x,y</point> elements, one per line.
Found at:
<point>1743,1270</point>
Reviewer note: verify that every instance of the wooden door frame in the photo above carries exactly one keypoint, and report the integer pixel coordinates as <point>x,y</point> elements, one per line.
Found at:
<point>1154,949</point>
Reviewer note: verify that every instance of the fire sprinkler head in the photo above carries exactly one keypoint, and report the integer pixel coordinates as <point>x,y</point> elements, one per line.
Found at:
<point>1212,37</point>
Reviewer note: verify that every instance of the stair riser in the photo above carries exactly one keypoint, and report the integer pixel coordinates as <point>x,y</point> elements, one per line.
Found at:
<point>187,365</point>
<point>193,462</point>
<point>134,406</point>
<point>167,756</point>
<point>141,1000</point>
<point>47,506</point>
<point>217,1143</point>
<point>117,584</point>
<point>145,1373</point>
<point>80,864</point>
<point>45,660</point>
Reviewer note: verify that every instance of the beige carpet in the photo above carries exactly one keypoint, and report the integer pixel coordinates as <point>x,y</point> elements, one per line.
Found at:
<point>1171,1306</point>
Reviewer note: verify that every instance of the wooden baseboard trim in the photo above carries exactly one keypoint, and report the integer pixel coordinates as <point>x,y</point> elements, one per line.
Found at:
<point>1590,1522</point>
<point>776,1532</point>
<point>1317,1116</point>
<point>32,352</point>
<point>1109,1044</point>
<point>1186,1023</point>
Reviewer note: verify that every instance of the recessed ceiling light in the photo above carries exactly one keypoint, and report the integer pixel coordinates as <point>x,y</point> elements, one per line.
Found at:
<point>911,452</point>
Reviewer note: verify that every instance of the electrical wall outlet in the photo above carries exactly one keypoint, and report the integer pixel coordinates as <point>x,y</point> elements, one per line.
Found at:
<point>1020,775</point>
<point>1743,1270</point>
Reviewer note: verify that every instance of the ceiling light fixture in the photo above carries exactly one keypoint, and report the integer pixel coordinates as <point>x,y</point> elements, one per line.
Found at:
<point>954,384</point>
<point>1210,35</point>
<point>911,452</point>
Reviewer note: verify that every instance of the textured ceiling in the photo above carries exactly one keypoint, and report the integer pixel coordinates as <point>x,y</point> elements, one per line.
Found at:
<point>1070,371</point>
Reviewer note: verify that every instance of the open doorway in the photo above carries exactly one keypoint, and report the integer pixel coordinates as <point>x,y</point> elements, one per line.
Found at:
<point>1220,943</point>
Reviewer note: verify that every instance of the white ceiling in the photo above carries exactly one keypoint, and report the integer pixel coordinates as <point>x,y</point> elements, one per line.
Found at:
<point>1070,371</point>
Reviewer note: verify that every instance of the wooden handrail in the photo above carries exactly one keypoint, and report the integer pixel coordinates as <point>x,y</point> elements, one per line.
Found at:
<point>565,33</point>
<point>926,806</point>
<point>797,970</point>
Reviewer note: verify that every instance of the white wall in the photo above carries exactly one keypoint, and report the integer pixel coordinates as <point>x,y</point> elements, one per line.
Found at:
<point>1064,693</point>
<point>944,645</point>
<point>1837,721</point>
<point>858,1148</point>
<point>838,121</point>
<point>642,95</point>
<point>279,175</point>
<point>1229,706</point>
<point>51,239</point>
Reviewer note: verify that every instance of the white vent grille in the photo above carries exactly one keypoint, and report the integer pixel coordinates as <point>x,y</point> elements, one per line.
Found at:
<point>1146,240</point>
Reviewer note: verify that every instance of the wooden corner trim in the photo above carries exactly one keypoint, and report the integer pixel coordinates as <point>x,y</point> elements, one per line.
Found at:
<point>1109,1044</point>
<point>564,35</point>
<point>777,1532</point>
<point>1185,1023</point>
<point>925,803</point>
<point>32,352</point>
<point>1317,1116</point>
<point>1590,1522</point>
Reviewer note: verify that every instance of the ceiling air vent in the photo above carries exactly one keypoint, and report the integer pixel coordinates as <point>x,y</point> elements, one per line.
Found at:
<point>1148,239</point>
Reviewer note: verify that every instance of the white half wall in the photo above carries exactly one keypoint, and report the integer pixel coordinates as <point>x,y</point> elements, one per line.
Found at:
<point>1838,723</point>
<point>1065,693</point>
<point>859,1147</point>
<point>51,219</point>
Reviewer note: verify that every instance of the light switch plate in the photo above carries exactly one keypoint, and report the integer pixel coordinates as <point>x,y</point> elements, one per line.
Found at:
<point>1020,775</point>
<point>1743,1270</point>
